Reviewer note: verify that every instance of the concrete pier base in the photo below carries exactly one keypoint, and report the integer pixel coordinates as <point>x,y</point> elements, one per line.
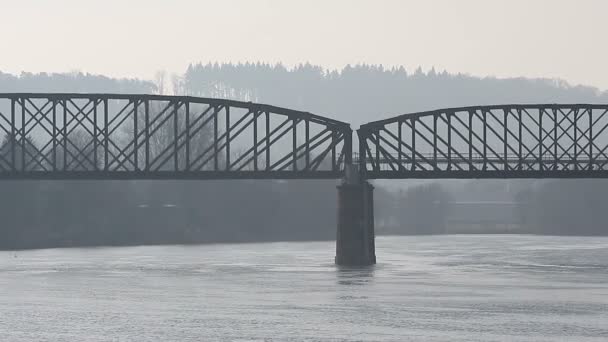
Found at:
<point>355,245</point>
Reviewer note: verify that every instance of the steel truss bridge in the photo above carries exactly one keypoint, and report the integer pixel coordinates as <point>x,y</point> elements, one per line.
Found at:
<point>109,136</point>
<point>103,136</point>
<point>112,136</point>
<point>508,141</point>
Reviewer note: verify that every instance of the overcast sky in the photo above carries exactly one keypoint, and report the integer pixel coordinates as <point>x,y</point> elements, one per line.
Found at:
<point>136,38</point>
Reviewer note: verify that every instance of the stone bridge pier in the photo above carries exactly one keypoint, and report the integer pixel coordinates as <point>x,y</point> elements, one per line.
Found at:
<point>355,245</point>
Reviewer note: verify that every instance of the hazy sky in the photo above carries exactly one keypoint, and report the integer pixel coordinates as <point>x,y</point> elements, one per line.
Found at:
<point>539,38</point>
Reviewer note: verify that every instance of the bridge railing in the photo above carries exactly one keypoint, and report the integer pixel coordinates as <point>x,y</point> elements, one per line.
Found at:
<point>110,136</point>
<point>515,141</point>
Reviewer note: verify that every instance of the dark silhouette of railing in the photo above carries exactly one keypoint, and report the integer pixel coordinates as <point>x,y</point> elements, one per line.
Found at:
<point>509,141</point>
<point>114,136</point>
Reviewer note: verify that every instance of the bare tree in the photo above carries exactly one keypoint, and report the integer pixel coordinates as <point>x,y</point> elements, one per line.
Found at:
<point>163,144</point>
<point>160,80</point>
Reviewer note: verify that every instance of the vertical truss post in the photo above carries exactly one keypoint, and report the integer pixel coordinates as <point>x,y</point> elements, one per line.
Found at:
<point>485,140</point>
<point>175,142</point>
<point>187,124</point>
<point>147,133</point>
<point>255,142</point>
<point>227,109</point>
<point>348,147</point>
<point>23,137</point>
<point>505,137</point>
<point>435,166</point>
<point>307,128</point>
<point>470,141</point>
<point>333,150</point>
<point>377,164</point>
<point>106,135</point>
<point>399,148</point>
<point>95,134</point>
<point>520,141</point>
<point>449,117</point>
<point>215,134</point>
<point>13,136</point>
<point>267,141</point>
<point>555,138</point>
<point>135,134</point>
<point>54,135</point>
<point>294,146</point>
<point>362,153</point>
<point>576,139</point>
<point>64,142</point>
<point>589,110</point>
<point>413,145</point>
<point>540,139</point>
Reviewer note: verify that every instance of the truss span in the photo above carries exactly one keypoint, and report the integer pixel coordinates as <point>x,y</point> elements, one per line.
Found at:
<point>507,141</point>
<point>115,136</point>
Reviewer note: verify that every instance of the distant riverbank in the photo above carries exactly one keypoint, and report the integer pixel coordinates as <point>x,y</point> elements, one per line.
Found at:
<point>236,240</point>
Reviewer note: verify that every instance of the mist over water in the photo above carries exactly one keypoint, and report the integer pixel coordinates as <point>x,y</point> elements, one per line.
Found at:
<point>425,288</point>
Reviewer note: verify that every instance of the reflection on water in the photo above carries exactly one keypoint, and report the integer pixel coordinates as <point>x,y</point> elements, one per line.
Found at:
<point>349,275</point>
<point>434,288</point>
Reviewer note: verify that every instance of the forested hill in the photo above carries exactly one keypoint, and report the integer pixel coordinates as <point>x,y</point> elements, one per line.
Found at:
<point>356,94</point>
<point>75,82</point>
<point>362,93</point>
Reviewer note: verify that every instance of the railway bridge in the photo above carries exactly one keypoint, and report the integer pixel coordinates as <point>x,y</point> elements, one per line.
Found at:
<point>117,136</point>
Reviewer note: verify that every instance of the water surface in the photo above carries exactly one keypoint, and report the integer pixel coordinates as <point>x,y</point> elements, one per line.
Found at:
<point>433,288</point>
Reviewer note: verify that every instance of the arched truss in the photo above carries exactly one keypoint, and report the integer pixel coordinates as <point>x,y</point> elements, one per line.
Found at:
<point>509,141</point>
<point>110,136</point>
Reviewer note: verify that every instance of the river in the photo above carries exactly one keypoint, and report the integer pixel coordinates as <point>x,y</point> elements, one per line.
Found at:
<point>424,288</point>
